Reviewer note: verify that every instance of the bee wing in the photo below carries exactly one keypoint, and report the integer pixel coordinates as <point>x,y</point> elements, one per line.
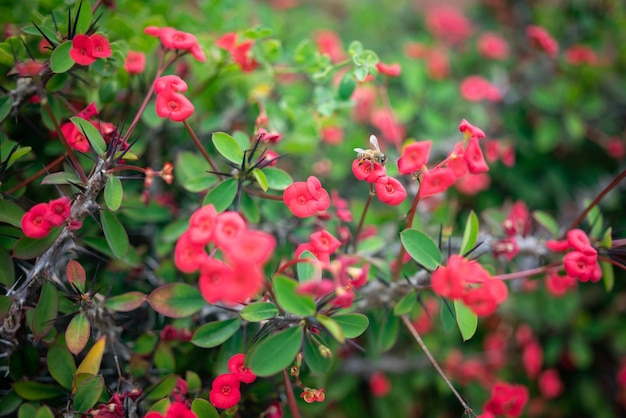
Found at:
<point>360,150</point>
<point>374,142</point>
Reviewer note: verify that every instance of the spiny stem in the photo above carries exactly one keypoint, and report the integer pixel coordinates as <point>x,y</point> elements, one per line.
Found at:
<point>595,201</point>
<point>199,145</point>
<point>432,360</point>
<point>359,228</point>
<point>41,172</point>
<point>291,399</point>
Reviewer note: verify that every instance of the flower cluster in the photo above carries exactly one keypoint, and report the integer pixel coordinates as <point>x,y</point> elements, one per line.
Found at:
<point>239,274</point>
<point>582,262</point>
<point>240,52</point>
<point>175,39</point>
<point>86,49</point>
<point>170,103</point>
<point>389,190</point>
<point>225,391</point>
<point>516,223</point>
<point>507,400</point>
<point>305,199</point>
<point>41,218</point>
<point>462,160</point>
<point>114,408</point>
<point>456,280</point>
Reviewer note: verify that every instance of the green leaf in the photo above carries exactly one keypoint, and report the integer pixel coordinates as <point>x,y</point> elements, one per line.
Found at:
<point>421,248</point>
<point>27,410</point>
<point>228,147</point>
<point>162,388</point>
<point>308,270</point>
<point>277,179</point>
<point>83,16</point>
<point>91,133</point>
<point>222,195</point>
<point>465,319</point>
<point>44,412</point>
<point>113,193</point>
<point>259,311</point>
<point>61,366</point>
<point>125,302</point>
<point>60,177</point>
<point>176,300</point>
<point>346,86</point>
<point>77,333</point>
<point>595,220</point>
<point>260,178</point>
<point>202,408</point>
<point>6,104</point>
<point>60,60</point>
<point>406,304</point>
<point>200,183</point>
<point>56,82</point>
<point>289,299</point>
<point>250,209</point>
<point>470,234</point>
<point>608,275</point>
<point>314,358</point>
<point>17,154</point>
<point>114,233</point>
<point>547,222</point>
<point>27,248</point>
<point>9,403</point>
<point>35,391</point>
<point>215,333</point>
<point>45,311</point>
<point>332,327</point>
<point>353,324</point>
<point>7,272</point>
<point>388,331</point>
<point>88,391</point>
<point>272,49</point>
<point>75,274</point>
<point>270,355</point>
<point>11,213</point>
<point>164,359</point>
<point>32,30</point>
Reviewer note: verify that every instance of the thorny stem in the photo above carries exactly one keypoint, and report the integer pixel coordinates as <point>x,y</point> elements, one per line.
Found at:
<point>291,399</point>
<point>196,141</point>
<point>359,228</point>
<point>409,224</point>
<point>432,360</point>
<point>595,201</point>
<point>70,151</point>
<point>41,172</point>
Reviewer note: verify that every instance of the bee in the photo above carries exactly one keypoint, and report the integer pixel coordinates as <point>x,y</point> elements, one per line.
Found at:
<point>374,154</point>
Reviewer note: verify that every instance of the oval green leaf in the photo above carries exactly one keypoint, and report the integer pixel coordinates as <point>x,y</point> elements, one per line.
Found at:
<point>11,213</point>
<point>547,222</point>
<point>406,304</point>
<point>260,178</point>
<point>7,272</point>
<point>202,408</point>
<point>222,195</point>
<point>469,234</point>
<point>289,299</point>
<point>56,82</point>
<point>332,327</point>
<point>277,179</point>
<point>113,193</point>
<point>314,358</point>
<point>35,391</point>
<point>270,355</point>
<point>176,300</point>
<point>259,311</point>
<point>114,233</point>
<point>353,324</point>
<point>308,270</point>
<point>27,248</point>
<point>608,275</point>
<point>88,391</point>
<point>76,275</point>
<point>91,133</point>
<point>6,104</point>
<point>60,177</point>
<point>228,147</point>
<point>45,311</point>
<point>61,366</point>
<point>77,333</point>
<point>466,320</point>
<point>421,248</point>
<point>388,332</point>
<point>215,333</point>
<point>346,86</point>
<point>125,302</point>
<point>60,60</point>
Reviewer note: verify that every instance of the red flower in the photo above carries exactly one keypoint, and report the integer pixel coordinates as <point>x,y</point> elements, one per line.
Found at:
<point>332,135</point>
<point>579,241</point>
<point>329,43</point>
<point>388,125</point>
<point>304,199</point>
<point>173,105</point>
<point>227,41</point>
<point>367,170</point>
<point>379,384</point>
<point>582,266</point>
<point>225,391</point>
<point>390,191</point>
<point>474,183</point>
<point>475,88</point>
<point>35,222</point>
<point>324,241</point>
<point>448,24</point>
<point>491,45</point>
<point>448,281</point>
<point>316,288</point>
<point>480,301</point>
<point>532,358</point>
<point>82,50</point>
<point>470,130</point>
<point>414,157</point>
<point>215,276</point>
<point>101,46</point>
<point>237,368</point>
<point>558,285</point>
<point>254,247</point>
<point>507,400</point>
<point>174,39</point>
<point>59,210</point>
<point>188,256</point>
<point>75,137</point>
<point>228,226</point>
<point>201,225</point>
<point>550,384</point>
<point>436,181</point>
<point>474,157</point>
<point>540,37</point>
<point>135,62</point>
<point>391,70</point>
<point>580,55</point>
<point>242,55</point>
<point>175,410</point>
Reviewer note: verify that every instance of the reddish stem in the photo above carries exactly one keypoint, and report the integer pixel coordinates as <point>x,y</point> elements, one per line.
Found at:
<point>529,272</point>
<point>362,220</point>
<point>196,141</point>
<point>41,172</point>
<point>291,399</point>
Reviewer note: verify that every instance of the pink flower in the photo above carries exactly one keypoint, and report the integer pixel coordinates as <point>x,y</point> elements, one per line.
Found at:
<point>367,170</point>
<point>305,199</point>
<point>202,224</point>
<point>329,43</point>
<point>175,410</point>
<point>532,358</point>
<point>332,135</point>
<point>390,70</point>
<point>470,130</point>
<point>171,83</point>
<point>436,181</point>
<point>254,247</point>
<point>390,191</point>
<point>75,137</point>
<point>82,50</point>
<point>174,39</point>
<point>225,391</point>
<point>414,157</point>
<point>507,400</point>
<point>448,24</point>
<point>242,55</point>
<point>476,88</point>
<point>188,257</point>
<point>581,55</point>
<point>448,281</point>
<point>135,62</point>
<point>101,46</point>
<point>379,384</point>
<point>491,45</point>
<point>173,105</point>
<point>388,125</point>
<point>558,285</point>
<point>540,37</point>
<point>215,277</point>
<point>228,226</point>
<point>59,211</point>
<point>473,155</point>
<point>324,241</point>
<point>239,370</point>
<point>550,384</point>
<point>35,223</point>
